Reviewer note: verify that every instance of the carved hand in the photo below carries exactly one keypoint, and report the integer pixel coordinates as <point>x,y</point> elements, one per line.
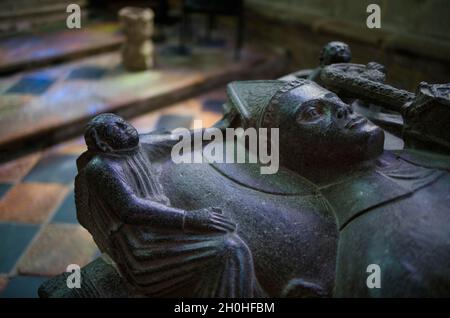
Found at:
<point>208,220</point>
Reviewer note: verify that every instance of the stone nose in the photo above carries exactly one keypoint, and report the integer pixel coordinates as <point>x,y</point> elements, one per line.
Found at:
<point>343,111</point>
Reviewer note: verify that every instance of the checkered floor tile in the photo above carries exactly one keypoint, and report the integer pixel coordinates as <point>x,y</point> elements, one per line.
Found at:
<point>15,239</point>
<point>34,85</point>
<point>22,287</point>
<point>39,232</point>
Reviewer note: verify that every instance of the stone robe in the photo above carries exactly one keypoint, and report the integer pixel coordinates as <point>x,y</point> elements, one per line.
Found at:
<point>156,259</point>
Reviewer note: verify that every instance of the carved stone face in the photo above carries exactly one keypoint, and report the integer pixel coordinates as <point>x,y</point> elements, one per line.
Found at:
<point>109,133</point>
<point>335,52</point>
<point>322,129</point>
<point>337,129</point>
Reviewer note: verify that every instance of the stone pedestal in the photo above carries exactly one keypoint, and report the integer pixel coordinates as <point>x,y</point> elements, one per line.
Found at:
<point>137,51</point>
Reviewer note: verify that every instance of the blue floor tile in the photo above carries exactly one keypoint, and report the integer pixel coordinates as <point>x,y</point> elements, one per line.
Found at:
<point>4,187</point>
<point>171,122</point>
<point>67,212</point>
<point>23,287</point>
<point>35,85</point>
<point>14,240</point>
<point>54,169</point>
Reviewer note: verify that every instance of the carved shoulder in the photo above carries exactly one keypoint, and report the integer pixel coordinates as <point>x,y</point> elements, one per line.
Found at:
<point>89,175</point>
<point>101,169</point>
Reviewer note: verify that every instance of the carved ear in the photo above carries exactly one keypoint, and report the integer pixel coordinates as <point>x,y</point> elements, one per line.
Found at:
<point>103,146</point>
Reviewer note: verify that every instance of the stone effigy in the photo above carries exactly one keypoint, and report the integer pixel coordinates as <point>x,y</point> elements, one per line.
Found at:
<point>137,50</point>
<point>338,205</point>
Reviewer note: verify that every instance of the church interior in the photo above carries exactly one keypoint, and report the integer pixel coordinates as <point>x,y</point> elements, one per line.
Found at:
<point>62,62</point>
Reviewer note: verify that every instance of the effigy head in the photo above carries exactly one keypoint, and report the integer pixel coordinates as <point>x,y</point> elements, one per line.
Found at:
<point>335,52</point>
<point>315,126</point>
<point>109,133</point>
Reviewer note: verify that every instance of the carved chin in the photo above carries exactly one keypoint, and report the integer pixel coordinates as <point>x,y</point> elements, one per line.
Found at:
<point>368,145</point>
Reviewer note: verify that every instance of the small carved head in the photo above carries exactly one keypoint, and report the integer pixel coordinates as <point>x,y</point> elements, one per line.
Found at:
<point>110,133</point>
<point>335,52</point>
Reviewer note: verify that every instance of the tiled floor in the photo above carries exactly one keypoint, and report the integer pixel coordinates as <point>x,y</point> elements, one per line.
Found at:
<point>39,233</point>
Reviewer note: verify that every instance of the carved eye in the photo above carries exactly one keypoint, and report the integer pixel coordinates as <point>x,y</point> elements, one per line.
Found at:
<point>309,114</point>
<point>312,113</point>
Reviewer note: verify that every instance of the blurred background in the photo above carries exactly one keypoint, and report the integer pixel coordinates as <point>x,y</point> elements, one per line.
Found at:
<point>53,79</point>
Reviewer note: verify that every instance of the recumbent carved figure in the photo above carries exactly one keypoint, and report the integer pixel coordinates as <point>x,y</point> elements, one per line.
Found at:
<point>338,203</point>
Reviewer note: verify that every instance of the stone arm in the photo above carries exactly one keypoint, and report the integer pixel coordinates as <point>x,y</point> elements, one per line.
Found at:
<point>107,183</point>
<point>358,81</point>
<point>106,180</point>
